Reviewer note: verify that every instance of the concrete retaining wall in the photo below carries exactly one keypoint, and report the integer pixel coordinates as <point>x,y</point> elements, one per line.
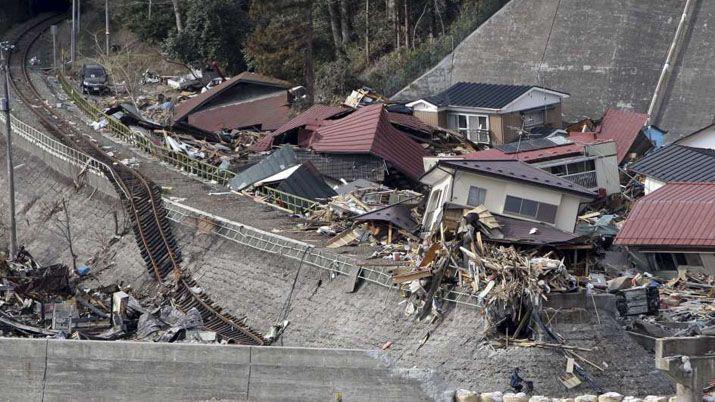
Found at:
<point>39,369</point>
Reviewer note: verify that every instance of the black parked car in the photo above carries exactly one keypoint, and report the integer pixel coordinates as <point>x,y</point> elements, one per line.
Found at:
<point>94,79</point>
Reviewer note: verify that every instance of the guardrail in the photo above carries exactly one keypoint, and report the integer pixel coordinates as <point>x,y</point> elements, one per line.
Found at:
<point>163,153</point>
<point>70,156</point>
<point>290,202</point>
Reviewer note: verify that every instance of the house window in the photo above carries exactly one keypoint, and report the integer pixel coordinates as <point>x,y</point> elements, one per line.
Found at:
<point>534,118</point>
<point>464,123</point>
<point>476,196</point>
<point>531,209</point>
<point>573,168</point>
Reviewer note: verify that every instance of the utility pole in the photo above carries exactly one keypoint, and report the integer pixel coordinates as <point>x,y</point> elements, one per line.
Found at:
<point>106,24</point>
<point>53,30</point>
<point>73,34</point>
<point>5,49</point>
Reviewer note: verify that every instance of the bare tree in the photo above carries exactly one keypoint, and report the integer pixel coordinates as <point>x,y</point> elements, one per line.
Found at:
<point>345,21</point>
<point>63,226</point>
<point>309,66</point>
<point>177,14</point>
<point>335,24</point>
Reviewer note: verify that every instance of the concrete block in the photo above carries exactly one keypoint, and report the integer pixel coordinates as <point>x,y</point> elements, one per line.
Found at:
<point>520,397</point>
<point>465,395</point>
<point>492,396</point>
<point>632,399</point>
<point>539,398</point>
<point>22,369</point>
<point>610,397</point>
<point>654,398</point>
<point>587,398</point>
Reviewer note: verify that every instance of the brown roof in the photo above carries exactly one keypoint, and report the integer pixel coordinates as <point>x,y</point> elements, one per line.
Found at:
<point>368,130</point>
<point>677,214</point>
<point>186,107</point>
<point>266,113</point>
<point>520,171</point>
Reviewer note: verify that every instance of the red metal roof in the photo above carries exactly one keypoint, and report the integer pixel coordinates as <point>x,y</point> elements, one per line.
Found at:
<point>677,214</point>
<point>267,113</point>
<point>186,107</point>
<point>368,130</point>
<point>527,156</point>
<point>312,118</point>
<point>622,127</point>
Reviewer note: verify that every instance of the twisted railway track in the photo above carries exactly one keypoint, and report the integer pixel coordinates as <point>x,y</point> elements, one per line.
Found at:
<point>141,199</point>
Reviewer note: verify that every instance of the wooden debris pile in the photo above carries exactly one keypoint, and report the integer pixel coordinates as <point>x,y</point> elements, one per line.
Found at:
<point>507,283</point>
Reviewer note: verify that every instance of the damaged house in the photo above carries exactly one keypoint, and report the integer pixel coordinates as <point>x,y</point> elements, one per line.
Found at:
<point>349,145</point>
<point>505,187</point>
<point>627,129</point>
<point>246,101</point>
<point>491,114</point>
<point>675,163</point>
<point>593,165</point>
<point>674,226</point>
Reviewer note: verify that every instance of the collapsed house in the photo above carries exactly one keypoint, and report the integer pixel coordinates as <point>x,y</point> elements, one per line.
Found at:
<point>505,187</point>
<point>246,101</point>
<point>674,226</point>
<point>592,165</point>
<point>364,143</point>
<point>491,114</point>
<point>675,163</point>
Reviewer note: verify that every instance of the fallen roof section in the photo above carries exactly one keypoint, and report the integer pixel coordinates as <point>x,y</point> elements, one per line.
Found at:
<point>266,113</point>
<point>678,163</point>
<point>305,181</point>
<point>274,163</point>
<point>623,127</point>
<point>368,130</point>
<point>519,171</point>
<point>183,109</point>
<point>398,215</point>
<point>312,117</point>
<point>676,215</point>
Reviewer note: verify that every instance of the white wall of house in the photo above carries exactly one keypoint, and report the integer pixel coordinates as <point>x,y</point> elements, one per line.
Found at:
<point>497,190</point>
<point>708,260</point>
<point>607,175</point>
<point>652,184</point>
<point>534,98</point>
<point>703,139</point>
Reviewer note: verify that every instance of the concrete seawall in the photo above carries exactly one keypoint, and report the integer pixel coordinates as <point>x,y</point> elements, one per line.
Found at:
<point>40,369</point>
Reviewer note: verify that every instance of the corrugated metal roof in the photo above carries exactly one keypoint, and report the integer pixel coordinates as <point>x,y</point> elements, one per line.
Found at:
<point>368,130</point>
<point>520,171</point>
<point>398,215</point>
<point>306,182</point>
<point>623,127</point>
<point>678,163</point>
<point>519,231</point>
<point>187,106</point>
<point>477,94</point>
<point>276,162</point>
<point>675,215</point>
<point>267,113</point>
<point>314,116</point>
